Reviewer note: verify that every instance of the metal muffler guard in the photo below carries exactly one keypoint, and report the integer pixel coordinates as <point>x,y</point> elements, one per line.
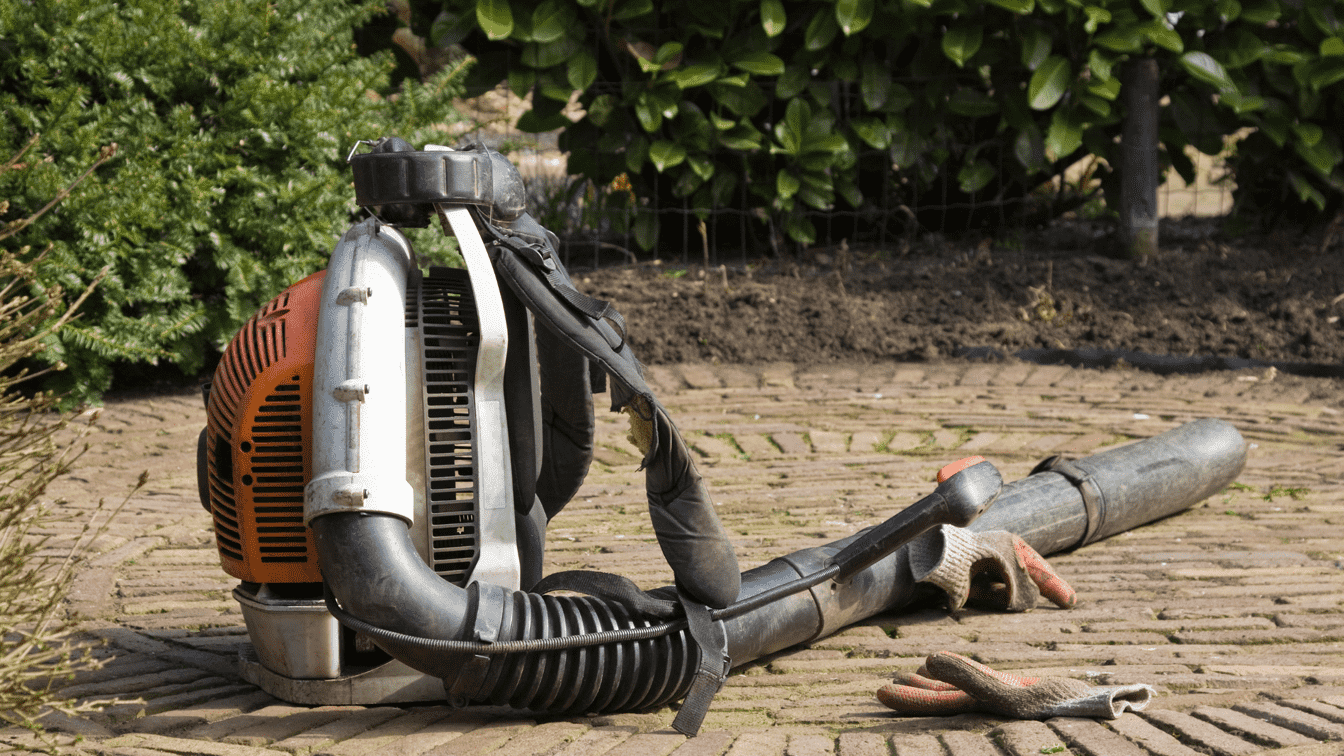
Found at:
<point>359,379</point>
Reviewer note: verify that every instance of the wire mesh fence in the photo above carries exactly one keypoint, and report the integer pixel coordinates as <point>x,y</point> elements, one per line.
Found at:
<point>595,223</point>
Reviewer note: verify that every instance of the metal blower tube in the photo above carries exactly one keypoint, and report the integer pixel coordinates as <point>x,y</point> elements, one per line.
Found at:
<point>372,568</point>
<point>1134,484</point>
<point>1129,486</point>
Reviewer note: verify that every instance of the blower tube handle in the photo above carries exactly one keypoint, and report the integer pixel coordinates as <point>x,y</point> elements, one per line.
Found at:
<point>966,488</point>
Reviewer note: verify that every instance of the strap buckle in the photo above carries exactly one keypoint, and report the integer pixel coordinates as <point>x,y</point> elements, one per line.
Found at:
<point>537,254</point>
<point>709,636</point>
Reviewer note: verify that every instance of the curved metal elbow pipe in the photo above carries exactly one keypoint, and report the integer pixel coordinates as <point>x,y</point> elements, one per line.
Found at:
<point>371,565</point>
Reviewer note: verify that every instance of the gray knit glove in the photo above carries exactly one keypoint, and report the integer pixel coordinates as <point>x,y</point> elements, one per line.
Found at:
<point>949,684</point>
<point>997,567</point>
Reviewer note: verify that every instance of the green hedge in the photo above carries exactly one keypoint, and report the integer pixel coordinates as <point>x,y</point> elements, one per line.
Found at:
<point>232,118</point>
<point>806,101</point>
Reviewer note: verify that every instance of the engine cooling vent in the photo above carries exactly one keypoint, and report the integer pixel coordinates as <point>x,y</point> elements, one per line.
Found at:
<point>277,475</point>
<point>445,312</point>
<point>256,455</point>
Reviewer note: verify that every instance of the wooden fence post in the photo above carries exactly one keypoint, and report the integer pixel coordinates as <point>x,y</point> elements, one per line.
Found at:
<point>1139,172</point>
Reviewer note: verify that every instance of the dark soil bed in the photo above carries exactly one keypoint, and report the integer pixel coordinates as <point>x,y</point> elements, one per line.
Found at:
<point>1272,301</point>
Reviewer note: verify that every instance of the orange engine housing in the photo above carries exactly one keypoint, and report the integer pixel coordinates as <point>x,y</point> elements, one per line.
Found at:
<point>258,441</point>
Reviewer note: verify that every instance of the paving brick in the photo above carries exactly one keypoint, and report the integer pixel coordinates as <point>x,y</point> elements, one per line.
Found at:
<point>713,448</point>
<point>1298,720</point>
<point>1201,733</point>
<point>1242,637</point>
<point>1085,736</point>
<point>1028,738</point>
<point>212,689</point>
<point>792,443</point>
<point>433,735</point>
<point>132,641</point>
<point>980,441</point>
<point>596,741</point>
<point>707,743</point>
<point>217,730</point>
<point>342,728</point>
<point>700,376</point>
<point>122,665</point>
<point>810,744</point>
<point>861,744</point>
<point>544,738</point>
<point>959,743</point>
<point>80,727</point>
<point>164,698</point>
<point>133,751</point>
<point>399,726</point>
<point>134,683</point>
<point>483,739</point>
<point>946,438</point>
<point>1155,740</point>
<point>864,441</point>
<point>649,744</point>
<point>278,729</point>
<point>1253,728</point>
<point>757,743</point>
<point>916,745</point>
<point>191,747</point>
<point>1321,709</point>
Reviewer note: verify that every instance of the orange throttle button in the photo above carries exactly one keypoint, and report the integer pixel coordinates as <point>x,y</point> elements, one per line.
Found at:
<point>948,471</point>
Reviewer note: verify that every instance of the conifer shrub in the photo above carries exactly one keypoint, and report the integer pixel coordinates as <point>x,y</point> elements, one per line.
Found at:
<point>234,120</point>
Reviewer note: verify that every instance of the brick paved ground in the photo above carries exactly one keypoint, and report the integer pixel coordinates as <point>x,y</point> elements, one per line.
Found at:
<point>1233,610</point>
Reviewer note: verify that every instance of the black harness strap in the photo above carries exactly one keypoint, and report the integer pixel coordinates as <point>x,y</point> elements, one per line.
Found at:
<point>682,513</point>
<point>541,257</point>
<point>713,669</point>
<point>1094,501</point>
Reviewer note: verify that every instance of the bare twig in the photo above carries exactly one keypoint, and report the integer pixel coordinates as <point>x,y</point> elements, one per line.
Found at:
<point>704,241</point>
<point>16,226</point>
<point>22,150</point>
<point>1332,231</point>
<point>630,256</point>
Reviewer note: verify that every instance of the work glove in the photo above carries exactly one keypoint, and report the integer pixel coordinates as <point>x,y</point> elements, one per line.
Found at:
<point>949,684</point>
<point>996,569</point>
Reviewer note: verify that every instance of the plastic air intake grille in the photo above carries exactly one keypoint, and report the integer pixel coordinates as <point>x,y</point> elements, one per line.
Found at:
<point>445,311</point>
<point>278,475</point>
<point>257,441</point>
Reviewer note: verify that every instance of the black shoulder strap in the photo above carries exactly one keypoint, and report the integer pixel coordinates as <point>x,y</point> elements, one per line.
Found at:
<point>689,533</point>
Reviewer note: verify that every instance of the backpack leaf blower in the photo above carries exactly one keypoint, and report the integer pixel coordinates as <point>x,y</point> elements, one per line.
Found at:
<point>385,448</point>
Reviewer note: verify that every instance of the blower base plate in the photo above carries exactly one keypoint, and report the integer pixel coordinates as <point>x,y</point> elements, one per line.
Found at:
<point>388,683</point>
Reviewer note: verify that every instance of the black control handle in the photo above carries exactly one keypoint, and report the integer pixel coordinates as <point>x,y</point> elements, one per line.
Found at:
<point>965,490</point>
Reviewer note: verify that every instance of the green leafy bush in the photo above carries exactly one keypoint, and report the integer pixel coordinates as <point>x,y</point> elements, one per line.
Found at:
<point>234,119</point>
<point>788,107</point>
